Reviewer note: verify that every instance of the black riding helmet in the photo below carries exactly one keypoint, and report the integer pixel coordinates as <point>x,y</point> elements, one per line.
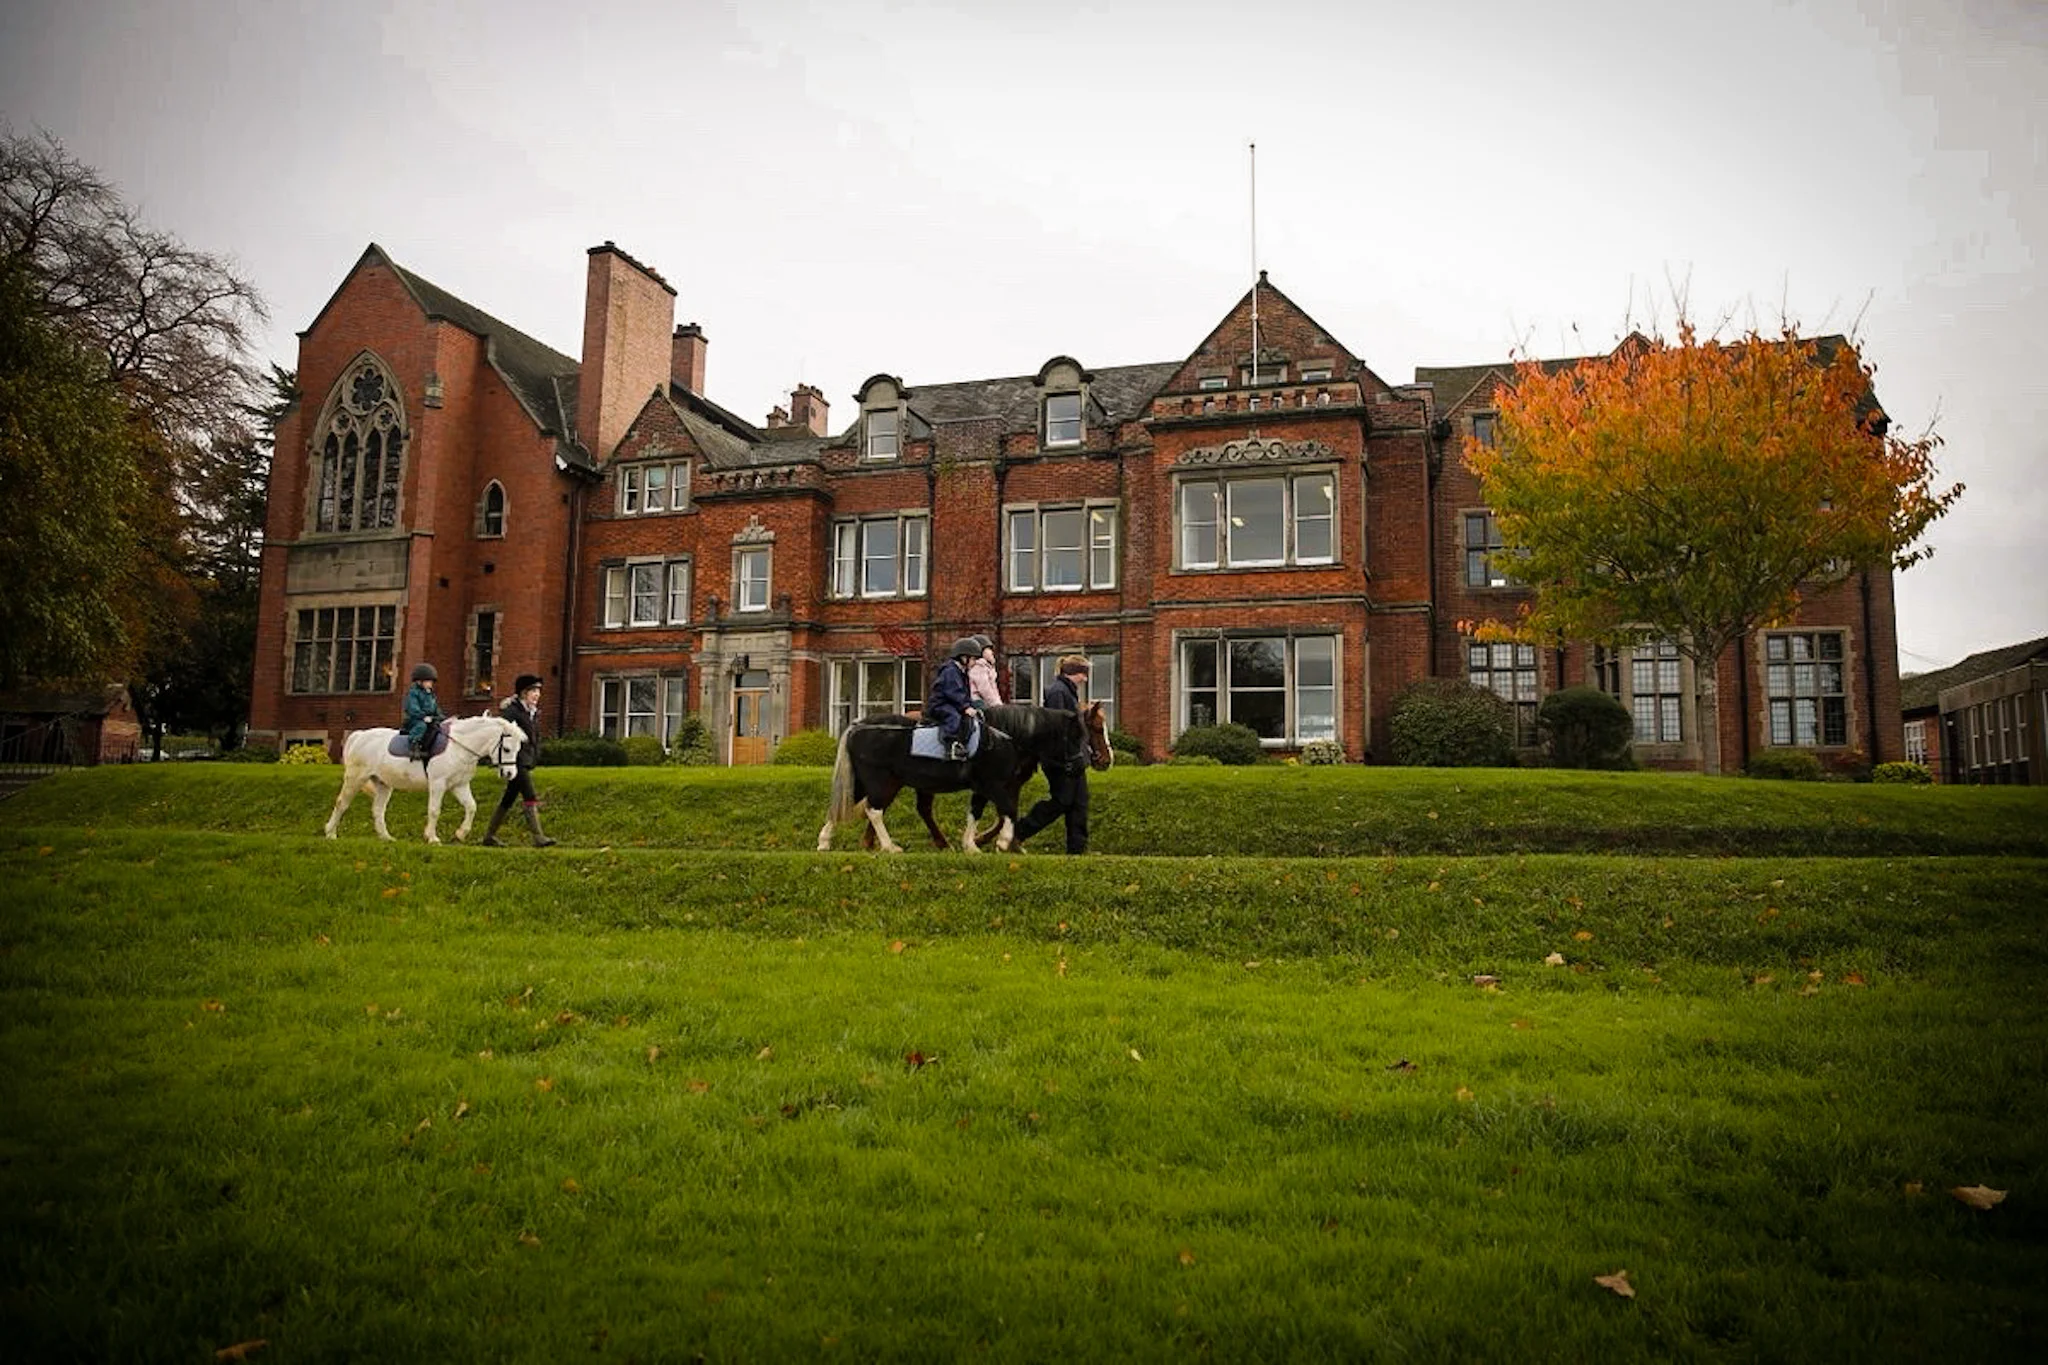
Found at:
<point>966,647</point>
<point>424,673</point>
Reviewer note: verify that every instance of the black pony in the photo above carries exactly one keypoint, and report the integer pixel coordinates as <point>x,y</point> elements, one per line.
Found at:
<point>875,763</point>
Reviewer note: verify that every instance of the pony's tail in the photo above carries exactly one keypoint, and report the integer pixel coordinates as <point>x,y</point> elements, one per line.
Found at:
<point>842,782</point>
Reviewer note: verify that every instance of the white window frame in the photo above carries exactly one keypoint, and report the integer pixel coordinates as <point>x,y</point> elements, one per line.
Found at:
<point>1028,547</point>
<point>1064,430</point>
<point>636,487</point>
<point>624,591</point>
<point>862,685</point>
<point>1323,650</point>
<point>879,444</point>
<point>1204,509</point>
<point>1916,742</point>
<point>626,704</point>
<point>851,556</point>
<point>750,590</point>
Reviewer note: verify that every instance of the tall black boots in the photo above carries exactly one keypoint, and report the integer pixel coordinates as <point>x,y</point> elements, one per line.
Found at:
<point>540,840</point>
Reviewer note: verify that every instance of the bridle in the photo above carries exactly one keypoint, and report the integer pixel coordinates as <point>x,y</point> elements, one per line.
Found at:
<point>497,756</point>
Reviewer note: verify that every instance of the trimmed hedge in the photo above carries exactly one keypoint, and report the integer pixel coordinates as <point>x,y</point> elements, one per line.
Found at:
<point>1127,746</point>
<point>643,751</point>
<point>1322,753</point>
<point>1785,765</point>
<point>1449,723</point>
<point>582,751</point>
<point>1233,745</point>
<point>807,749</point>
<point>1906,774</point>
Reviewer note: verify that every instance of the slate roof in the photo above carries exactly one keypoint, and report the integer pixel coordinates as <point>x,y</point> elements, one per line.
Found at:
<point>539,376</point>
<point>43,701</point>
<point>1921,691</point>
<point>1118,393</point>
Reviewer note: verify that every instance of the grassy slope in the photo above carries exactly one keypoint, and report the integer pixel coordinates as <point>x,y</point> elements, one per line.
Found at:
<point>424,1121</point>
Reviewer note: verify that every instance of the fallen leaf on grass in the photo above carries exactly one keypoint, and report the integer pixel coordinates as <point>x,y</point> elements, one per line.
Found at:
<point>527,1239</point>
<point>461,1109</point>
<point>1761,979</point>
<point>1584,936</point>
<point>1404,1066</point>
<point>1137,1056</point>
<point>764,1054</point>
<point>544,1083</point>
<point>570,1186</point>
<point>1854,979</point>
<point>1554,960</point>
<point>1187,1256</point>
<point>1978,1196</point>
<point>1618,1282</point>
<point>1521,1024</point>
<point>241,1350</point>
<point>897,946</point>
<point>1485,979</point>
<point>1464,1096</point>
<point>653,1053</point>
<point>214,1007</point>
<point>700,1087</point>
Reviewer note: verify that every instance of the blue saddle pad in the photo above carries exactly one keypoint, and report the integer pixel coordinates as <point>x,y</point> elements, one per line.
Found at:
<point>401,747</point>
<point>925,742</point>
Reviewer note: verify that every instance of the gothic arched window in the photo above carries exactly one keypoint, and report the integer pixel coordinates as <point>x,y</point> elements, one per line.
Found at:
<point>490,519</point>
<point>359,449</point>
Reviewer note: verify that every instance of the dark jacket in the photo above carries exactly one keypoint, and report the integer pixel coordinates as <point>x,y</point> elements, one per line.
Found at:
<point>421,706</point>
<point>1062,695</point>
<point>947,705</point>
<point>515,711</point>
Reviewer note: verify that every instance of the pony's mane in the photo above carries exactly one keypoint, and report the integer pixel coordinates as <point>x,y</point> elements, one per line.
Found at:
<point>1027,723</point>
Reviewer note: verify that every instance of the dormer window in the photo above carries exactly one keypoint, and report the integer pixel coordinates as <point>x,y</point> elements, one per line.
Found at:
<point>1063,419</point>
<point>882,441</point>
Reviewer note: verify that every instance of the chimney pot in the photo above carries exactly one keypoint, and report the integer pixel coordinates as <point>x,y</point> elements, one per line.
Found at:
<point>807,409</point>
<point>687,353</point>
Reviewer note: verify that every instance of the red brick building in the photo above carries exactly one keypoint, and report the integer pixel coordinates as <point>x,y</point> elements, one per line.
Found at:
<point>1270,534</point>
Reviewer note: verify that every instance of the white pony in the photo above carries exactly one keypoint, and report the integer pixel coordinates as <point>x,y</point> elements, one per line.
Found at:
<point>369,765</point>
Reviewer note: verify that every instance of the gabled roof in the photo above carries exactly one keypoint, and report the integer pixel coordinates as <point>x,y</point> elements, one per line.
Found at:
<point>1922,691</point>
<point>89,701</point>
<point>539,377</point>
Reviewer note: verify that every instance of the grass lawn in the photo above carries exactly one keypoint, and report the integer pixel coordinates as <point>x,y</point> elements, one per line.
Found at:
<point>705,1096</point>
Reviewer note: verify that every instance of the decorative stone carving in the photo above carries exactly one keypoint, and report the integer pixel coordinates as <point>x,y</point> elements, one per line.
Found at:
<point>1259,452</point>
<point>753,533</point>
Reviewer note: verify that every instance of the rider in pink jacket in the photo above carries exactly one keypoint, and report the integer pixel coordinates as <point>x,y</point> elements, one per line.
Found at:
<point>981,676</point>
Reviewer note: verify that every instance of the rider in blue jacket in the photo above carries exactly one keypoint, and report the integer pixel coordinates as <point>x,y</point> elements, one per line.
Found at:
<point>951,701</point>
<point>422,710</point>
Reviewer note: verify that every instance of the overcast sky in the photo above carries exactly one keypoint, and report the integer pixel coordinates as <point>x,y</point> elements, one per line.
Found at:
<point>963,190</point>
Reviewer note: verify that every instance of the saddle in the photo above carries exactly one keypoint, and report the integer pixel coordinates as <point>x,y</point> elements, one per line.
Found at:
<point>401,746</point>
<point>926,743</point>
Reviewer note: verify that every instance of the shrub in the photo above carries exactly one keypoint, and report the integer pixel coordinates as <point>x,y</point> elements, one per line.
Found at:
<point>807,749</point>
<point>1584,727</point>
<point>305,754</point>
<point>1911,774</point>
<point>250,753</point>
<point>690,746</point>
<point>1127,746</point>
<point>1847,765</point>
<point>1194,761</point>
<point>1448,723</point>
<point>582,750</point>
<point>1322,753</point>
<point>643,751</point>
<point>1785,765</point>
<point>1235,745</point>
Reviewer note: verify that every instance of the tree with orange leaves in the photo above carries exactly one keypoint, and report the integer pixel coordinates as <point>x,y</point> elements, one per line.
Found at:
<point>1686,491</point>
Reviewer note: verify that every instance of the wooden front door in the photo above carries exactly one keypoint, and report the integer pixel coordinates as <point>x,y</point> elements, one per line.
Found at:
<point>750,718</point>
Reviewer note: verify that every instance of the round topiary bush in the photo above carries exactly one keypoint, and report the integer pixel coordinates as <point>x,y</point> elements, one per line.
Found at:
<point>1322,753</point>
<point>690,746</point>
<point>1584,727</point>
<point>1909,774</point>
<point>1449,723</point>
<point>1785,765</point>
<point>1233,745</point>
<point>807,749</point>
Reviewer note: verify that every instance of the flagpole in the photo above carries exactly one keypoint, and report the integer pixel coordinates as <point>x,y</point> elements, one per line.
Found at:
<point>1255,260</point>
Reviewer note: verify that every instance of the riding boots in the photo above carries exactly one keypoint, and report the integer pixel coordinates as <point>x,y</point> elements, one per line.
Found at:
<point>490,839</point>
<point>533,823</point>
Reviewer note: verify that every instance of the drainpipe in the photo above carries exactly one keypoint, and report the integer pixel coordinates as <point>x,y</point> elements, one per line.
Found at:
<point>1741,693</point>
<point>571,596</point>
<point>931,500</point>
<point>1436,430</point>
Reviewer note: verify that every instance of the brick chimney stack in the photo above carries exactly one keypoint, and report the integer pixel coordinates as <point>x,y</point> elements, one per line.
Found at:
<point>807,409</point>
<point>686,359</point>
<point>777,419</point>
<point>627,311</point>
